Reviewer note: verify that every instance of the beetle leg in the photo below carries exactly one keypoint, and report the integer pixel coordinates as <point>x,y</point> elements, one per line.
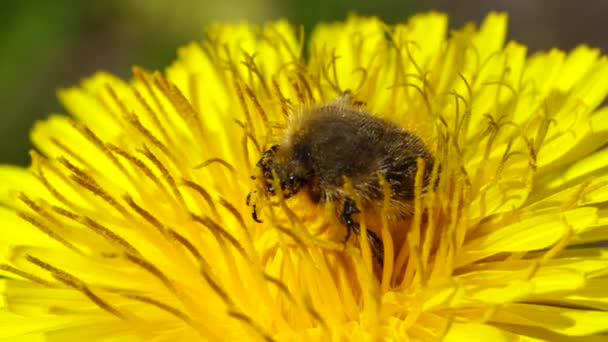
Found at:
<point>352,226</point>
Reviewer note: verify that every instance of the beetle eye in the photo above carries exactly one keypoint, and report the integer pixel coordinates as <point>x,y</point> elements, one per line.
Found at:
<point>292,178</point>
<point>270,188</point>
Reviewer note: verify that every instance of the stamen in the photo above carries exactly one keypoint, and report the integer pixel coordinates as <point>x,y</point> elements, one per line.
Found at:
<point>415,270</point>
<point>151,113</point>
<point>139,164</point>
<point>334,84</point>
<point>387,239</point>
<point>292,234</point>
<point>419,90</point>
<point>298,91</point>
<point>505,158</point>
<point>247,320</point>
<point>216,160</point>
<point>71,153</point>
<point>532,154</point>
<point>501,84</point>
<point>36,207</point>
<point>145,214</point>
<point>109,235</point>
<point>117,101</point>
<point>152,269</point>
<point>316,316</point>
<point>363,72</point>
<point>87,182</point>
<point>65,212</point>
<point>165,307</point>
<point>47,230</point>
<point>237,215</point>
<point>291,216</point>
<point>460,124</point>
<point>257,105</point>
<point>281,286</point>
<point>250,64</point>
<point>306,86</point>
<point>541,134</point>
<point>204,194</point>
<point>182,106</point>
<point>251,137</point>
<point>28,276</point>
<point>430,201</point>
<point>101,303</point>
<point>216,228</point>
<point>456,229</point>
<point>166,174</point>
<point>75,283</point>
<point>188,245</point>
<point>406,47</point>
<point>173,311</point>
<point>144,77</point>
<point>217,288</point>
<point>167,233</point>
<point>38,161</point>
<point>135,122</point>
<point>285,108</point>
<point>241,97</point>
<point>400,75</point>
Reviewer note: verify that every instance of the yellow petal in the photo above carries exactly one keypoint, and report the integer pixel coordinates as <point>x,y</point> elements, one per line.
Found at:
<point>95,106</point>
<point>14,177</point>
<point>565,321</point>
<point>576,65</point>
<point>14,229</point>
<point>478,332</point>
<point>532,233</point>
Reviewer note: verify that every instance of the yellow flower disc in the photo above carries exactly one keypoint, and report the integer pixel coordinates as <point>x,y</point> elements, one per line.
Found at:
<point>131,223</point>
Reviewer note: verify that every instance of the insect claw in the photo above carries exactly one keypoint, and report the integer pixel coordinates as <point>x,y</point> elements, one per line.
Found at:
<point>349,209</point>
<point>254,215</point>
<point>375,242</point>
<point>347,236</point>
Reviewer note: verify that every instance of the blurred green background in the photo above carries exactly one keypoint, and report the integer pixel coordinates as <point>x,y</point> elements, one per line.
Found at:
<point>45,45</point>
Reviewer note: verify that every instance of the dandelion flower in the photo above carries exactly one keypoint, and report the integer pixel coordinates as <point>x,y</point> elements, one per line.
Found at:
<point>131,222</point>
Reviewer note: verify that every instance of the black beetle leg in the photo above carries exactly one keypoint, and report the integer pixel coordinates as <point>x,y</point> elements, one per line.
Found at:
<point>254,214</point>
<point>348,210</point>
<point>352,226</point>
